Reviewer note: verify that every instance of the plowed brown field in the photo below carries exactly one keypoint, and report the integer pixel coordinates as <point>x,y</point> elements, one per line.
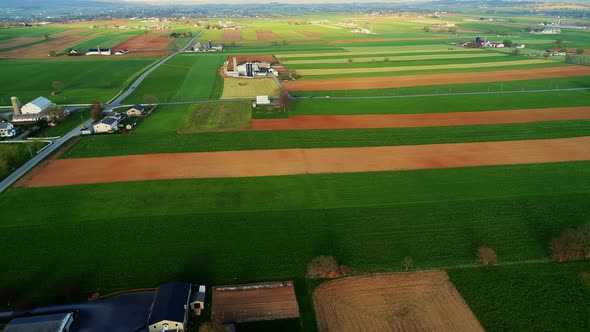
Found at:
<point>254,302</point>
<point>19,41</point>
<point>43,49</point>
<point>303,161</point>
<point>367,83</point>
<point>266,35</point>
<point>149,42</point>
<point>421,120</point>
<point>419,301</point>
<point>231,35</point>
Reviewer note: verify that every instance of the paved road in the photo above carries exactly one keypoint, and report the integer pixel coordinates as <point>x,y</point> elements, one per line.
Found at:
<point>56,144</point>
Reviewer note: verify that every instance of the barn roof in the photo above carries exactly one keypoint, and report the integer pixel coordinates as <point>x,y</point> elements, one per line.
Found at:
<point>4,125</point>
<point>109,120</point>
<point>96,50</point>
<point>138,107</point>
<point>171,302</point>
<point>41,102</point>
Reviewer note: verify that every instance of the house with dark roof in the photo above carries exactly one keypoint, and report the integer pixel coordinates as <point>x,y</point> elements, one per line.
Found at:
<point>197,300</point>
<point>43,323</point>
<point>107,125</point>
<point>170,309</point>
<point>136,110</point>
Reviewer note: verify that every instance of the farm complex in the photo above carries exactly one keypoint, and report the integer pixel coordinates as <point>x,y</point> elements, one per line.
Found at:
<point>383,171</point>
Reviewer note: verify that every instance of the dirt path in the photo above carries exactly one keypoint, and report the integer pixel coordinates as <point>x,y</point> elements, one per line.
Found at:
<point>367,83</point>
<point>304,161</point>
<point>419,301</point>
<point>421,120</point>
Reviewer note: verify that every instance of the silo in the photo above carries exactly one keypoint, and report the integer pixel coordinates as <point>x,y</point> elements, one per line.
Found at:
<point>16,105</point>
<point>210,44</point>
<point>235,64</point>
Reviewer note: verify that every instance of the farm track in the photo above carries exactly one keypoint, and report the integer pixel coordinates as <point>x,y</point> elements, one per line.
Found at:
<point>306,122</point>
<point>304,161</point>
<point>369,83</point>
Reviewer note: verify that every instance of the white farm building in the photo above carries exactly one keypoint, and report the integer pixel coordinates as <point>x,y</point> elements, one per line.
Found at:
<point>37,106</point>
<point>107,125</point>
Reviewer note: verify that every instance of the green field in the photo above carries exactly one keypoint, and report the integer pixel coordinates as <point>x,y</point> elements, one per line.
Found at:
<point>367,220</point>
<point>528,297</point>
<point>186,77</point>
<point>216,116</point>
<point>85,80</point>
<point>108,40</point>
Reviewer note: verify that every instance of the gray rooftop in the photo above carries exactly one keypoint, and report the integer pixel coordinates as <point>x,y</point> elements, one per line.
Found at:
<point>109,120</point>
<point>44,323</point>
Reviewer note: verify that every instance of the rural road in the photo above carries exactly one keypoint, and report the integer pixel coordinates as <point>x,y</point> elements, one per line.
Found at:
<point>57,143</point>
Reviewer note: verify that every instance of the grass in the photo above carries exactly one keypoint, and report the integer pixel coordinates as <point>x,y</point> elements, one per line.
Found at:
<point>72,121</point>
<point>107,40</point>
<point>531,297</point>
<point>367,220</point>
<point>250,88</point>
<point>216,116</point>
<point>186,77</point>
<point>85,80</point>
<point>154,138</point>
<point>440,104</point>
<point>14,155</point>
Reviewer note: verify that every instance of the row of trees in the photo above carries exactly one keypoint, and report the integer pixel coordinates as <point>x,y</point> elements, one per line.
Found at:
<point>573,244</point>
<point>428,28</point>
<point>578,59</point>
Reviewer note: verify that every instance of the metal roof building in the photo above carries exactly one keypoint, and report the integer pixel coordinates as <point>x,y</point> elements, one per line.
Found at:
<point>37,106</point>
<point>44,323</point>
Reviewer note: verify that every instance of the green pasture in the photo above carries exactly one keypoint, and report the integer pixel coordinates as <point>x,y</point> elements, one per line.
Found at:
<point>216,116</point>
<point>85,80</point>
<point>74,120</point>
<point>186,77</point>
<point>39,31</point>
<point>156,138</point>
<point>440,104</point>
<point>367,220</point>
<point>521,85</point>
<point>108,40</point>
<point>528,297</point>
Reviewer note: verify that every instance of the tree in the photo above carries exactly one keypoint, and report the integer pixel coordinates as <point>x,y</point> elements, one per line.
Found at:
<point>211,327</point>
<point>528,29</point>
<point>580,51</point>
<point>174,47</point>
<point>558,43</point>
<point>426,28</point>
<point>486,256</point>
<point>284,42</point>
<point>407,263</point>
<point>350,60</point>
<point>57,86</point>
<point>150,99</point>
<point>96,111</point>
<point>46,36</point>
<point>515,51</point>
<point>545,55</point>
<point>569,246</point>
<point>57,113</point>
<point>323,267</point>
<point>52,53</point>
<point>507,43</point>
<point>452,30</point>
<point>285,101</point>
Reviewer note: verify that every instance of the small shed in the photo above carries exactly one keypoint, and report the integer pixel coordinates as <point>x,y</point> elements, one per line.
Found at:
<point>136,110</point>
<point>262,100</point>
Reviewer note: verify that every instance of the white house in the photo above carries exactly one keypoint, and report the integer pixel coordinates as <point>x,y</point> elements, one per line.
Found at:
<point>170,309</point>
<point>101,51</point>
<point>262,100</point>
<point>136,110</point>
<point>7,129</point>
<point>106,125</point>
<point>37,106</point>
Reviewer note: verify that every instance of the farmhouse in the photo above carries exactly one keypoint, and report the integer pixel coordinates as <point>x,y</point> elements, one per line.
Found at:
<point>99,51</point>
<point>209,47</point>
<point>262,100</point>
<point>107,125</point>
<point>44,323</point>
<point>7,129</point>
<point>112,114</point>
<point>37,106</point>
<point>170,307</point>
<point>249,69</point>
<point>136,110</point>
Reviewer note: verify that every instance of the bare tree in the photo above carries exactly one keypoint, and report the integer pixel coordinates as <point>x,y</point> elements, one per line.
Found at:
<point>46,36</point>
<point>56,113</point>
<point>52,53</point>
<point>486,256</point>
<point>96,111</point>
<point>350,60</point>
<point>323,267</point>
<point>569,246</point>
<point>579,51</point>
<point>285,101</point>
<point>407,263</point>
<point>57,86</point>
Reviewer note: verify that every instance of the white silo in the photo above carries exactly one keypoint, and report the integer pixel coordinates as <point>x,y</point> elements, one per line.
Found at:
<point>16,105</point>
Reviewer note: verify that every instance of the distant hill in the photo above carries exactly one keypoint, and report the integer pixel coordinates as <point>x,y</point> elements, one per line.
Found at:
<point>53,3</point>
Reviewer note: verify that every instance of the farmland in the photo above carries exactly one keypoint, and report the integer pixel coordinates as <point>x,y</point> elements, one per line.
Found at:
<point>216,116</point>
<point>186,77</point>
<point>75,119</point>
<point>84,79</point>
<point>244,88</point>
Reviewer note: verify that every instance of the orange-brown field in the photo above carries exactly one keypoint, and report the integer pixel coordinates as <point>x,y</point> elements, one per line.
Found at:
<point>231,35</point>
<point>148,42</point>
<point>419,301</point>
<point>254,302</point>
<point>421,120</point>
<point>266,35</point>
<point>367,83</point>
<point>303,161</point>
